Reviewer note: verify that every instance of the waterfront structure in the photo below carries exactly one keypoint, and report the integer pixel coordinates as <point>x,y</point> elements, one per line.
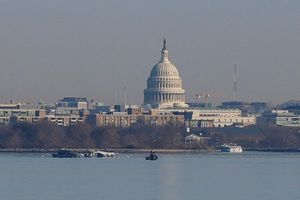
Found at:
<point>164,85</point>
<point>279,118</point>
<point>210,117</point>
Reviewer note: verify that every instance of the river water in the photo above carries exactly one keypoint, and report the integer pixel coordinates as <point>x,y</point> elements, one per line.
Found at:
<point>208,176</point>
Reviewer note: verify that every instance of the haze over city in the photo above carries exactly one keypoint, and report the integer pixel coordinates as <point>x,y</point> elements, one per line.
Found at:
<point>50,49</point>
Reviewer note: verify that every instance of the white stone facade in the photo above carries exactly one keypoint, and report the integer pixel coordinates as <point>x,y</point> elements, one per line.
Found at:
<point>164,85</point>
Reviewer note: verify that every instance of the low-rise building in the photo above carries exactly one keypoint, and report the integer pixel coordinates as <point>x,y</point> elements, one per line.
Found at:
<point>211,117</point>
<point>14,113</point>
<point>123,119</point>
<point>280,118</point>
<point>252,108</point>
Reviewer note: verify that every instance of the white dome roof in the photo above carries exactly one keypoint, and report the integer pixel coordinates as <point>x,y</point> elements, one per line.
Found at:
<point>164,69</point>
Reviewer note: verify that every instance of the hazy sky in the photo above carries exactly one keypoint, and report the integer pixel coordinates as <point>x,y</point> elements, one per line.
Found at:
<point>55,48</point>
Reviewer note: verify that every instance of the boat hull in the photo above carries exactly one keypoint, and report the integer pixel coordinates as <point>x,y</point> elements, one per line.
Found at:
<point>231,148</point>
<point>152,157</point>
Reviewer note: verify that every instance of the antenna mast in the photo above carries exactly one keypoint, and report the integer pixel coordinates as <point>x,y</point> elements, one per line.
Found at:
<point>235,83</point>
<point>125,97</point>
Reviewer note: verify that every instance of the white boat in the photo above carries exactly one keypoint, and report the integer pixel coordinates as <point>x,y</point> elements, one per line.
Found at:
<point>104,154</point>
<point>99,154</point>
<point>231,148</point>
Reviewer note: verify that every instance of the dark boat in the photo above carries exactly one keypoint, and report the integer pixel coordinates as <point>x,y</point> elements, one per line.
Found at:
<point>65,154</point>
<point>152,156</point>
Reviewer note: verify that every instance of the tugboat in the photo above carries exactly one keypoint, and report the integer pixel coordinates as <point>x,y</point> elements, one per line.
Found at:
<point>65,154</point>
<point>152,156</point>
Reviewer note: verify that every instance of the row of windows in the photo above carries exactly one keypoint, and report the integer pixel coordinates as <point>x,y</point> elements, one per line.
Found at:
<point>165,73</point>
<point>236,120</point>
<point>16,113</point>
<point>167,85</point>
<point>146,118</point>
<point>218,115</point>
<point>230,120</point>
<point>288,119</point>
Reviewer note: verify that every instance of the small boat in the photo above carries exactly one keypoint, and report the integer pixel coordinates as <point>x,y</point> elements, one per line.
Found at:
<point>65,154</point>
<point>98,154</point>
<point>152,156</point>
<point>234,148</point>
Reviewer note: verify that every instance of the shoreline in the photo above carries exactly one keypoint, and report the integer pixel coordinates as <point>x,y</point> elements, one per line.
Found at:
<point>109,150</point>
<point>35,150</point>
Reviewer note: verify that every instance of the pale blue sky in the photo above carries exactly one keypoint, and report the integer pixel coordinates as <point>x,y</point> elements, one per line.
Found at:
<point>55,48</point>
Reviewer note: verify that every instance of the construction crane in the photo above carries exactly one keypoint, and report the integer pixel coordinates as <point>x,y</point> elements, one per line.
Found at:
<point>205,96</point>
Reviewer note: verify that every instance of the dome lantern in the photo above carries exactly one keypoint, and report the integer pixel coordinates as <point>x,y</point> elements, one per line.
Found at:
<point>164,53</point>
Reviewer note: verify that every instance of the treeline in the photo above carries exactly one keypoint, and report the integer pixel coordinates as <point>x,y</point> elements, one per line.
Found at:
<point>45,135</point>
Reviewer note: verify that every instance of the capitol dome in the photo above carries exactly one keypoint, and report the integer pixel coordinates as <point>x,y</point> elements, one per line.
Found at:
<point>164,69</point>
<point>164,85</point>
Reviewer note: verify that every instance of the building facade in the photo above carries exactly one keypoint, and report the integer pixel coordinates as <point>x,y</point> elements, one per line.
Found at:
<point>65,120</point>
<point>279,118</point>
<point>14,113</point>
<point>220,118</point>
<point>211,117</point>
<point>123,119</point>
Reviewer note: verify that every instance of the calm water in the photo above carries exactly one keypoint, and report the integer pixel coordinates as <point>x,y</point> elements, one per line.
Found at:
<point>208,176</point>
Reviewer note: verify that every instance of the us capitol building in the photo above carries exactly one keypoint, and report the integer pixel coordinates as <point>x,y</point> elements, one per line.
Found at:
<point>164,85</point>
<point>164,93</point>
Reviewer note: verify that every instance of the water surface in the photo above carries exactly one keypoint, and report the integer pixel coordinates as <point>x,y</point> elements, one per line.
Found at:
<point>247,176</point>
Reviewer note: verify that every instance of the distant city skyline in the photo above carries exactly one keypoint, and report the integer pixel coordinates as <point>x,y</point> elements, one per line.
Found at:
<point>51,49</point>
